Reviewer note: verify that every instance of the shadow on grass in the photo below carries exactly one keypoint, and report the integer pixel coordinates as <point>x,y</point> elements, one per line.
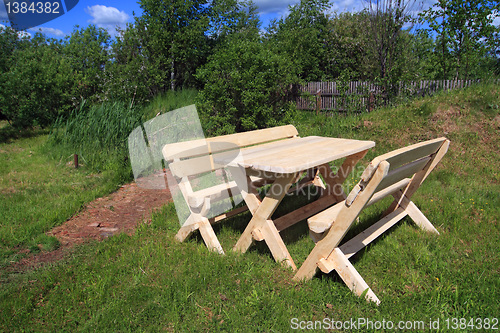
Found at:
<point>9,133</point>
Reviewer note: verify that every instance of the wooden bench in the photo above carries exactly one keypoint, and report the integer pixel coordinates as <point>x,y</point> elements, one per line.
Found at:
<point>399,173</point>
<point>193,158</point>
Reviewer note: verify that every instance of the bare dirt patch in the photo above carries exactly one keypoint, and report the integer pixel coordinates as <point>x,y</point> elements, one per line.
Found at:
<point>446,119</point>
<point>121,211</point>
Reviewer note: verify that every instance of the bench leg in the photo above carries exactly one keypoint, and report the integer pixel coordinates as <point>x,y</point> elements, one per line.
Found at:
<point>187,229</point>
<point>339,262</point>
<point>206,231</point>
<point>209,236</point>
<point>419,218</point>
<point>416,215</point>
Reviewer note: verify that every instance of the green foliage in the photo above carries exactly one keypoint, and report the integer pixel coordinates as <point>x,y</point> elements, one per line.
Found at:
<point>130,76</point>
<point>87,51</point>
<point>38,88</point>
<point>168,101</point>
<point>176,41</point>
<point>301,37</point>
<point>246,86</point>
<point>230,16</point>
<point>465,35</point>
<point>348,46</point>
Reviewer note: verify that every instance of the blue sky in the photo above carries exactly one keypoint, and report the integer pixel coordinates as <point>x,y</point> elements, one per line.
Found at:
<point>110,13</point>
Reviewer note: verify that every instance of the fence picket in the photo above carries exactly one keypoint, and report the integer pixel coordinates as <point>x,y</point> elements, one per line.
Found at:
<point>369,93</point>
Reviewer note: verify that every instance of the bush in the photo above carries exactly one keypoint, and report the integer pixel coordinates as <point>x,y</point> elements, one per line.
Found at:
<point>38,87</point>
<point>246,86</point>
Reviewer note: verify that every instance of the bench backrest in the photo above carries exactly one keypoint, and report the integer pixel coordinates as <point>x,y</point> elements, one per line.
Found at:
<point>197,156</point>
<point>414,162</point>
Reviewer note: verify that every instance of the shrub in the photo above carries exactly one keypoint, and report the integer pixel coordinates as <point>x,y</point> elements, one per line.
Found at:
<point>246,86</point>
<point>38,87</point>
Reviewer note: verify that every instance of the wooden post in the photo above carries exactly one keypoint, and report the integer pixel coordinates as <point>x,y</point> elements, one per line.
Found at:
<point>318,102</point>
<point>371,102</point>
<point>75,158</point>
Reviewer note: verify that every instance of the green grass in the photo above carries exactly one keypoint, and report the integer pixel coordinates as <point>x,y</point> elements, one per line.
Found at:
<point>149,282</point>
<point>39,186</point>
<point>169,101</point>
<point>38,193</point>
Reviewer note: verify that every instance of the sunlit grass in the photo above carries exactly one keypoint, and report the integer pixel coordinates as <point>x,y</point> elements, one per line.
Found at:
<point>150,282</point>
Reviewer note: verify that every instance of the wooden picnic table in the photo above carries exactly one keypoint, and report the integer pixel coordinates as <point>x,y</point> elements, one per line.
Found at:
<point>284,162</point>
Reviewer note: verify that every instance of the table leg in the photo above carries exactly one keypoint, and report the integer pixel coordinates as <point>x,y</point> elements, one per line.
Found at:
<point>261,223</point>
<point>334,182</point>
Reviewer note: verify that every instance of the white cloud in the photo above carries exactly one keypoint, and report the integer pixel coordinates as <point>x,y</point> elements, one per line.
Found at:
<point>348,6</point>
<point>20,34</point>
<point>49,31</point>
<point>105,16</point>
<point>496,21</point>
<point>273,6</point>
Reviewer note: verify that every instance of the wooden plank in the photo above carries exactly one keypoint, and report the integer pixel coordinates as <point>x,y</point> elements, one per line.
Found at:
<point>226,142</point>
<point>350,276</point>
<point>302,213</point>
<point>218,192</point>
<point>419,218</point>
<point>233,212</point>
<point>405,171</point>
<point>322,221</point>
<point>420,176</point>
<point>194,166</point>
<point>338,230</point>
<point>265,210</point>
<point>407,154</point>
<point>185,231</point>
<point>275,244</point>
<point>367,236</point>
<point>209,237</point>
<point>185,149</point>
<point>257,136</point>
<point>324,151</point>
<point>415,214</point>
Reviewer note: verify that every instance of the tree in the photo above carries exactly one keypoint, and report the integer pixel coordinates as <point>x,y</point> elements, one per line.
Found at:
<point>424,58</point>
<point>38,88</point>
<point>228,17</point>
<point>177,43</point>
<point>302,38</point>
<point>246,86</point>
<point>88,53</point>
<point>129,72</point>
<point>349,47</point>
<point>465,34</point>
<point>387,21</point>
<point>10,42</point>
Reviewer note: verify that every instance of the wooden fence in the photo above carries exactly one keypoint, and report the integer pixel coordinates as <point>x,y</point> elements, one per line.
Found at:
<point>359,96</point>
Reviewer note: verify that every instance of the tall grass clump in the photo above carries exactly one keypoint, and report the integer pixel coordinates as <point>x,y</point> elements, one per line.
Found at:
<point>98,134</point>
<point>169,101</point>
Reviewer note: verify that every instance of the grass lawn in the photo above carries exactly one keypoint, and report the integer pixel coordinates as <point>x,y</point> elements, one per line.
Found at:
<point>38,193</point>
<point>150,282</point>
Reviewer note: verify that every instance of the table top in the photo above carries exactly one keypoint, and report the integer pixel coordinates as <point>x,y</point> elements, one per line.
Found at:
<point>298,154</point>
